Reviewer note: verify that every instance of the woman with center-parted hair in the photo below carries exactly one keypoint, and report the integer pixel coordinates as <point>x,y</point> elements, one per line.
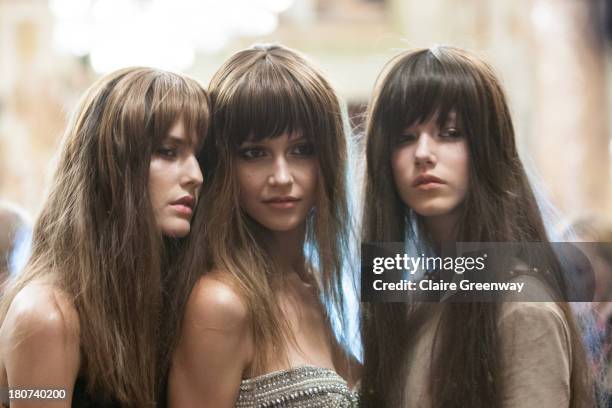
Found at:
<point>443,166</point>
<point>255,330</point>
<point>84,315</point>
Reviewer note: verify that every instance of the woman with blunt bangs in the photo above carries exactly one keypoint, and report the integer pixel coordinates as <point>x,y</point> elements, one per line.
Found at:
<point>255,330</point>
<point>443,166</point>
<point>84,314</point>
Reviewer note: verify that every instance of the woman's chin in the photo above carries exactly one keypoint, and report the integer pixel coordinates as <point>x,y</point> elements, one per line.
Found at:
<point>176,229</point>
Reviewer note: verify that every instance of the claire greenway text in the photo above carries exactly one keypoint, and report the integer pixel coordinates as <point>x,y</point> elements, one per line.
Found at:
<point>458,265</point>
<point>429,285</point>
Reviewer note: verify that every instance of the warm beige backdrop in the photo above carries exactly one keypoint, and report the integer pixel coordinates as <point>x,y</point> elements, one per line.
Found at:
<point>554,64</point>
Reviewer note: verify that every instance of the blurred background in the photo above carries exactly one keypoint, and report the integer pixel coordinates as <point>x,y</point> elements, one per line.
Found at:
<point>553,57</point>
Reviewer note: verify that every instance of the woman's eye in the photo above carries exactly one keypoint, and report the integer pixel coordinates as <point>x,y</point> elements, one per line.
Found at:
<point>450,133</point>
<point>406,137</point>
<point>166,152</point>
<point>252,153</point>
<point>305,149</point>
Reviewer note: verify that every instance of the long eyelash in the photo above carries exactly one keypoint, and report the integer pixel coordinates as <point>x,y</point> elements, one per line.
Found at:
<point>451,133</point>
<point>166,151</point>
<point>309,147</point>
<point>245,152</point>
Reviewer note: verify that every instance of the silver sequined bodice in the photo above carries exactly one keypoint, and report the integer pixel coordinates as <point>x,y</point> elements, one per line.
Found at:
<point>301,387</point>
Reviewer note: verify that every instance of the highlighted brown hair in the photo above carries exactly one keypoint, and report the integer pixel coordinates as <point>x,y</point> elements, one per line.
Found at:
<point>499,206</point>
<point>96,238</point>
<point>263,92</point>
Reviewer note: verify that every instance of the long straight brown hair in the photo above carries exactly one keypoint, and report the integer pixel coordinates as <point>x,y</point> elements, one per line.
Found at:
<point>96,238</point>
<point>466,369</point>
<point>263,92</point>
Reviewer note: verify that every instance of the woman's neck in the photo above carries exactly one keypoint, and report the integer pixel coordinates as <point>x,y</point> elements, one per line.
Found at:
<point>444,227</point>
<point>286,248</point>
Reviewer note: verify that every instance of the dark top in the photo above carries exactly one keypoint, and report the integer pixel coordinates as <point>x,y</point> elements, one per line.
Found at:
<point>81,398</point>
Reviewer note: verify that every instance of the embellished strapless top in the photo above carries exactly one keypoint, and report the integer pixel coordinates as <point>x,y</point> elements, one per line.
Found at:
<point>301,387</point>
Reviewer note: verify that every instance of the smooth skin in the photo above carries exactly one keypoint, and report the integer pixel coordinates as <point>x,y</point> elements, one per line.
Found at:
<point>39,343</point>
<point>174,174</point>
<point>216,349</point>
<point>427,149</point>
<point>39,338</point>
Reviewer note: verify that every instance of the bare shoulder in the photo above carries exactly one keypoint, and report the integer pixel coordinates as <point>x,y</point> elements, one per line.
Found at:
<point>39,339</point>
<point>41,311</point>
<point>215,345</point>
<point>216,303</point>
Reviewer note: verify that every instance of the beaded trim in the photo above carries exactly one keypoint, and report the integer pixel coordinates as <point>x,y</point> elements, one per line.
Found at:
<point>300,387</point>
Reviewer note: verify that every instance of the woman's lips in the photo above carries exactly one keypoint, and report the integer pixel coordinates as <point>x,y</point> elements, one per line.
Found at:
<point>184,205</point>
<point>427,182</point>
<point>428,186</point>
<point>183,209</point>
<point>282,203</point>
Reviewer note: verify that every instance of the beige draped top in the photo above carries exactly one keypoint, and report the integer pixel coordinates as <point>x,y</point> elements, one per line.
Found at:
<point>536,356</point>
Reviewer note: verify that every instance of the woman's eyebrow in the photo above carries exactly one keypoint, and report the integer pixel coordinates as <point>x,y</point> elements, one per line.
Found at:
<point>299,139</point>
<point>451,117</point>
<point>451,121</point>
<point>174,140</point>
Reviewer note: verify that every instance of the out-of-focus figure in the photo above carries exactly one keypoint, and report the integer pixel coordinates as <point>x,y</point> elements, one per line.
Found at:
<point>15,232</point>
<point>597,232</point>
<point>596,235</point>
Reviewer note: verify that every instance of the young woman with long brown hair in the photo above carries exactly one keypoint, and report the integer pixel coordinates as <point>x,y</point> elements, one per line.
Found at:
<point>255,330</point>
<point>84,315</point>
<point>442,166</point>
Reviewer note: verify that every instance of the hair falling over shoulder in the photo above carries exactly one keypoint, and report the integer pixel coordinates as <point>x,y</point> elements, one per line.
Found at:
<point>258,93</point>
<point>499,206</point>
<point>96,238</point>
